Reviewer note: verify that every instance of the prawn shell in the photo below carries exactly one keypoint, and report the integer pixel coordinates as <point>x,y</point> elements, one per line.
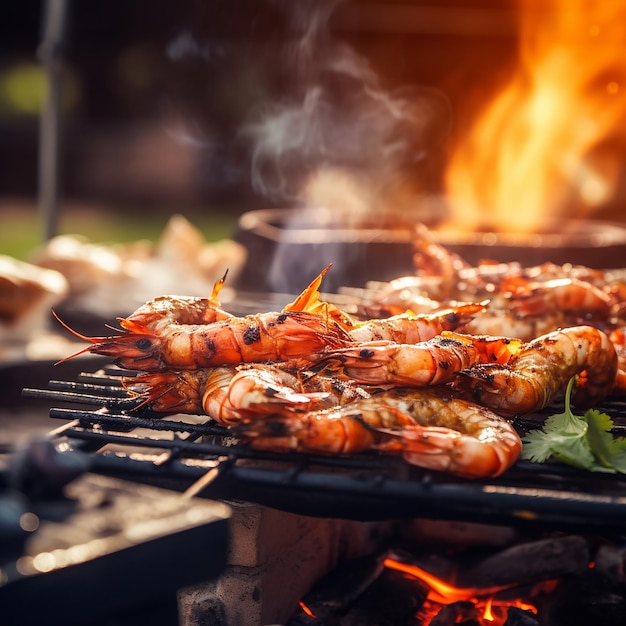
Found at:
<point>542,369</point>
<point>430,428</point>
<point>254,338</point>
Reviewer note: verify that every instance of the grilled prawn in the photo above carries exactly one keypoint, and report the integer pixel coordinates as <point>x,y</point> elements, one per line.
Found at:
<point>253,338</point>
<point>569,295</point>
<point>163,311</point>
<point>411,328</point>
<point>430,428</point>
<point>157,314</point>
<point>235,394</point>
<point>223,393</point>
<point>422,364</point>
<point>618,339</point>
<point>530,309</point>
<point>542,368</point>
<point>189,333</point>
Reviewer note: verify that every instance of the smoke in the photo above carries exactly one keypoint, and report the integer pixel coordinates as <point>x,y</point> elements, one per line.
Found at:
<point>337,116</point>
<point>318,126</point>
<point>186,46</point>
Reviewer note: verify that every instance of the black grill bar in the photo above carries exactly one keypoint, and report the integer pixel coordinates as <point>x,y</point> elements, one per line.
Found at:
<point>100,390</point>
<point>108,424</point>
<point>120,403</point>
<point>122,439</point>
<point>122,421</point>
<point>103,379</point>
<point>303,490</point>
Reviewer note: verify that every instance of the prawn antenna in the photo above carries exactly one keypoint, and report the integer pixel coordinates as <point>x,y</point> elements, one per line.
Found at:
<point>76,334</point>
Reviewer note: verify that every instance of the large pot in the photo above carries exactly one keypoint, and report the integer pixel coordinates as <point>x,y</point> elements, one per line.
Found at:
<point>288,247</point>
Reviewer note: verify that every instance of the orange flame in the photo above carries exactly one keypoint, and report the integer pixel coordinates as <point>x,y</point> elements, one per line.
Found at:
<point>493,612</point>
<point>551,142</point>
<point>306,609</point>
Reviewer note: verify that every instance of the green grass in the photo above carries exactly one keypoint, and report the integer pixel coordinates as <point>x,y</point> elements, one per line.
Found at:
<point>22,228</point>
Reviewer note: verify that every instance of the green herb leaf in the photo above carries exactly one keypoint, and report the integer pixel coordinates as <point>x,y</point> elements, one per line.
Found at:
<point>599,437</point>
<point>583,441</point>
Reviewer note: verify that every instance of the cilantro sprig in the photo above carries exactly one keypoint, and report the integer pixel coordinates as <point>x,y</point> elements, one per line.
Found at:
<point>584,441</point>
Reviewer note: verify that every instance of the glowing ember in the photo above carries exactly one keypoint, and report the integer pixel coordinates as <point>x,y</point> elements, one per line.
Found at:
<point>550,143</point>
<point>489,611</point>
<point>306,609</point>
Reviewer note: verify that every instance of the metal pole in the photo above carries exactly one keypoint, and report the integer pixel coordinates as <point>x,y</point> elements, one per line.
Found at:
<point>49,53</point>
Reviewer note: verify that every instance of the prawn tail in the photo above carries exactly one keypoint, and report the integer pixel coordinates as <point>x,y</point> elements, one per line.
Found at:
<point>309,301</point>
<point>465,312</point>
<point>217,287</point>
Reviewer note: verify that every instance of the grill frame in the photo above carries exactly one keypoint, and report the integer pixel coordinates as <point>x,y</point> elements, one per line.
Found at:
<point>175,452</point>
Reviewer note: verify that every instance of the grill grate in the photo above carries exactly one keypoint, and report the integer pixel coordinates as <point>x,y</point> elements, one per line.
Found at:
<point>191,453</point>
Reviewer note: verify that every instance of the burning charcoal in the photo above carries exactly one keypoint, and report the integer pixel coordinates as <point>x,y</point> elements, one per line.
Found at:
<point>457,534</point>
<point>336,592</point>
<point>588,598</point>
<point>529,562</point>
<point>609,560</point>
<point>519,617</point>
<point>435,563</point>
<point>456,613</point>
<point>390,600</point>
<point>302,619</point>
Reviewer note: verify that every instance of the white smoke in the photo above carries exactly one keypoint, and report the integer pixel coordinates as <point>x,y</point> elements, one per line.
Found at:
<point>338,115</point>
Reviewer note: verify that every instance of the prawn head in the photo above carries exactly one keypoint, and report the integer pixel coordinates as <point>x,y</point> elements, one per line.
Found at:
<point>134,343</point>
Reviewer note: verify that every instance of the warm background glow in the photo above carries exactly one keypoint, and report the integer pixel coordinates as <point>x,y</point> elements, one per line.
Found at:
<point>548,144</point>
